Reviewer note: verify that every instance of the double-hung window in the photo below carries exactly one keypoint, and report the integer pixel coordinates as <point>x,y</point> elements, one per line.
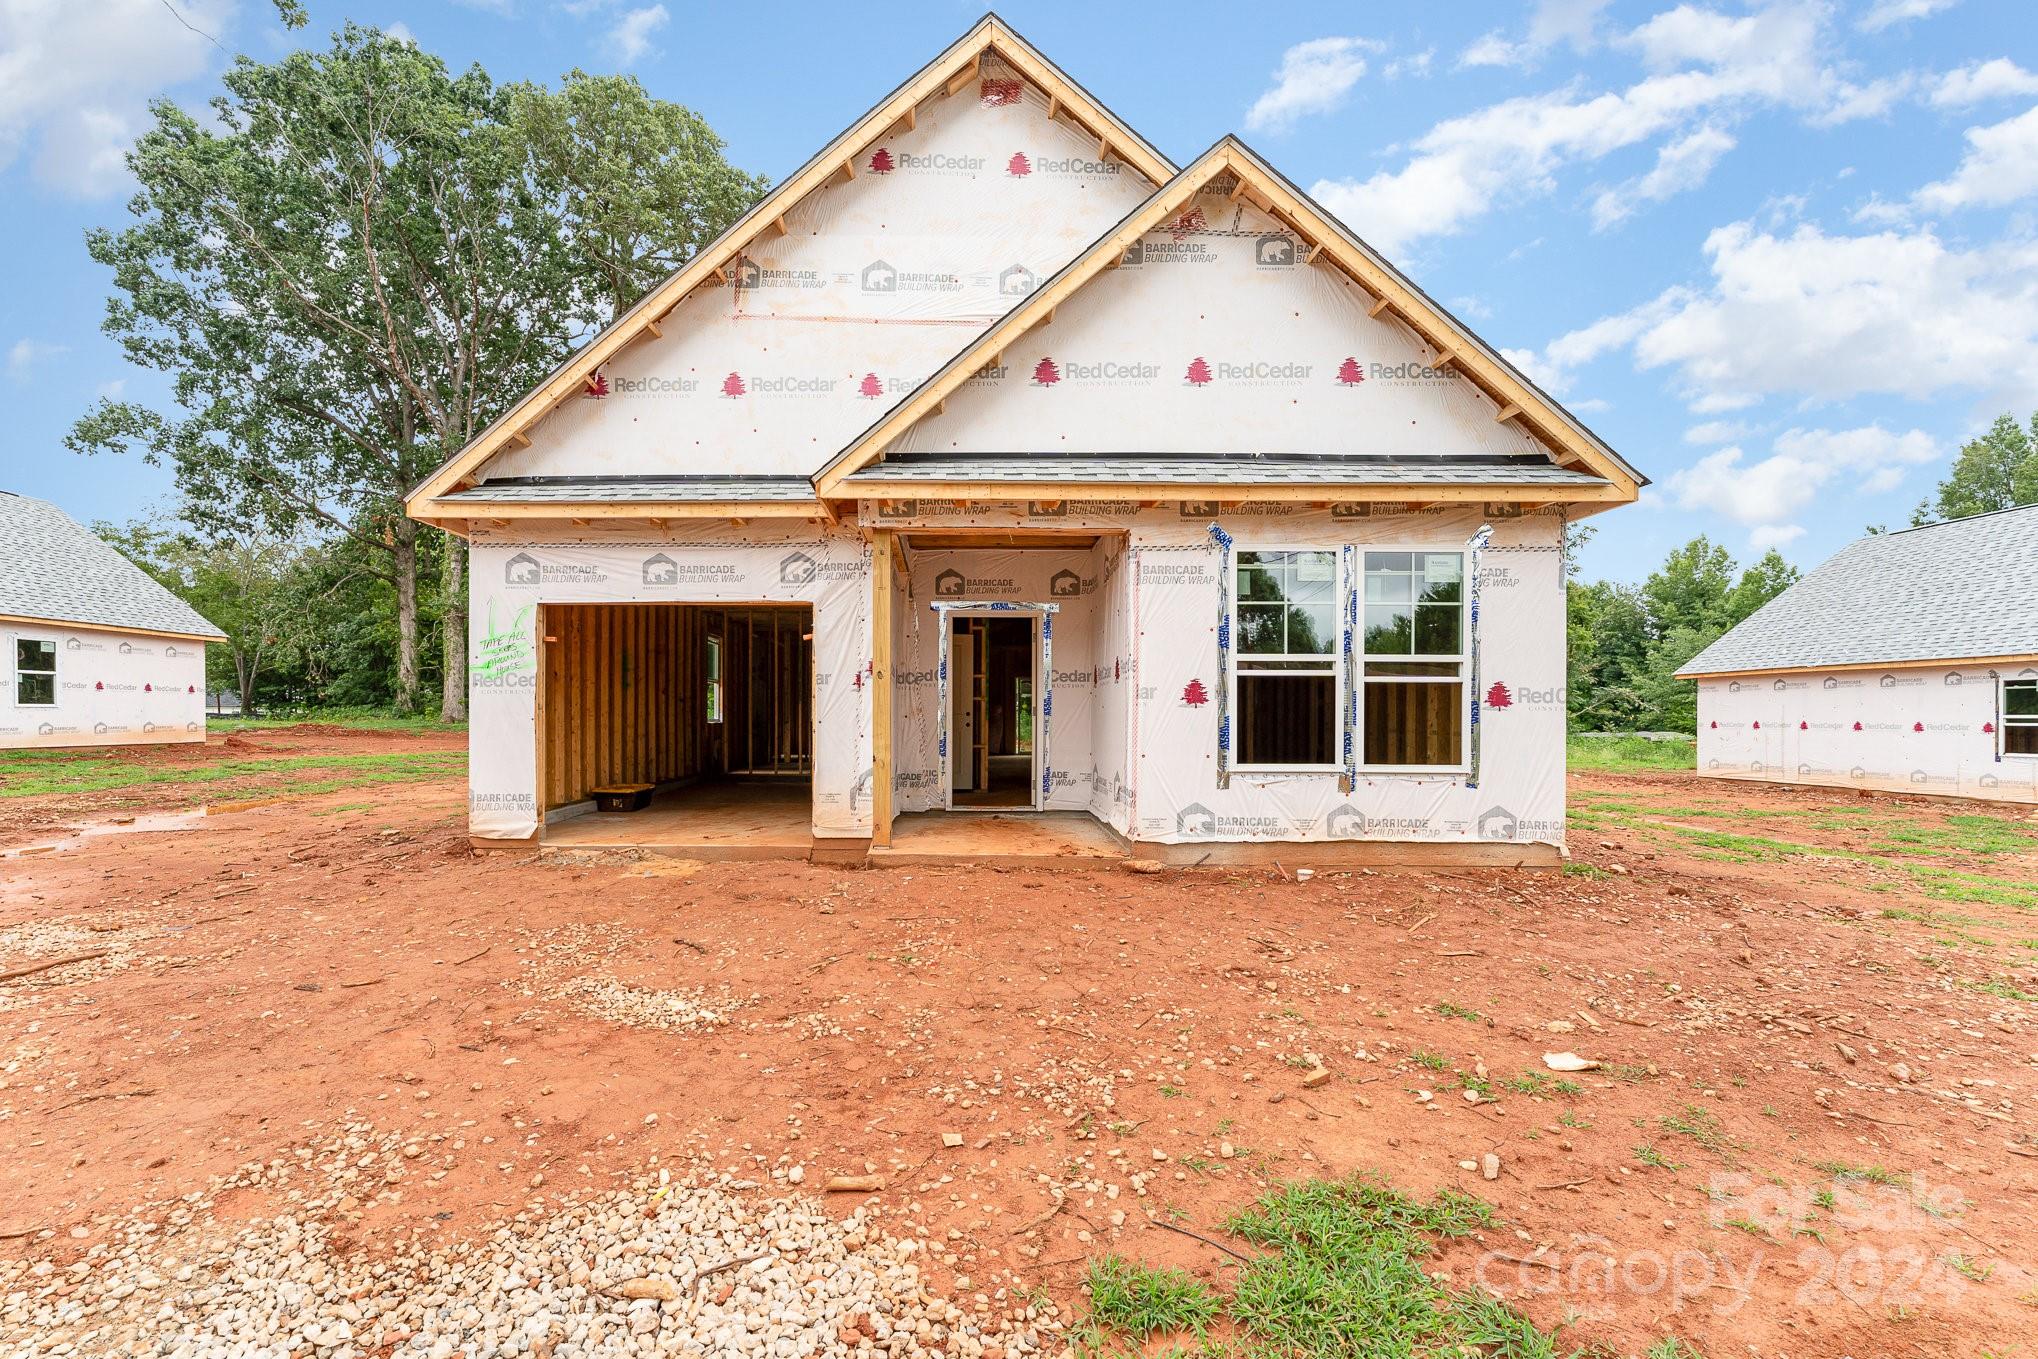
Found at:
<point>35,672</point>
<point>1412,672</point>
<point>1285,669</point>
<point>2020,717</point>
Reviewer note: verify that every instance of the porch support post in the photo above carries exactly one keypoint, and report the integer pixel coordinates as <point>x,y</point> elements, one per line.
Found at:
<point>881,687</point>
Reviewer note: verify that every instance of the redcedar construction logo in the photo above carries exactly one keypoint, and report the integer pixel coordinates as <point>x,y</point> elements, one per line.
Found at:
<point>870,386</point>
<point>1498,696</point>
<point>1349,373</point>
<point>1046,373</point>
<point>881,162</point>
<point>1018,167</point>
<point>596,386</point>
<point>1198,374</point>
<point>732,385</point>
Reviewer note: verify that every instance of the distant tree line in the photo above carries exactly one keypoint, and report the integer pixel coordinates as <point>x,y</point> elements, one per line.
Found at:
<point>1627,641</point>
<point>347,268</point>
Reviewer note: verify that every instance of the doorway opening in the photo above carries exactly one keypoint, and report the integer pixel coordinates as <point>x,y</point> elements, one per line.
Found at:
<point>993,664</point>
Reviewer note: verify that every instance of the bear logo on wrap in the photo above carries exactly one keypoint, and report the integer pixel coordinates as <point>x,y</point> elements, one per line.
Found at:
<point>660,569</point>
<point>1498,823</point>
<point>1346,823</point>
<point>1017,281</point>
<point>1064,584</point>
<point>1195,819</point>
<point>796,568</point>
<point>521,569</point>
<point>1274,251</point>
<point>949,584</point>
<point>880,277</point>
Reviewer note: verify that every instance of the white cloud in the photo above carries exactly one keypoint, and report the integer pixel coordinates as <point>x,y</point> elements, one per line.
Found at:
<point>630,39</point>
<point>2000,166</point>
<point>1705,68</point>
<point>1575,22</point>
<point>1315,77</point>
<point>1681,165</point>
<point>1774,535</point>
<point>111,390</point>
<point>401,32</point>
<point>1415,64</point>
<point>1982,81</point>
<point>1768,493</point>
<point>75,79</point>
<point>24,354</point>
<point>1883,13</point>
<point>1716,432</point>
<point>1850,102</point>
<point>1825,317</point>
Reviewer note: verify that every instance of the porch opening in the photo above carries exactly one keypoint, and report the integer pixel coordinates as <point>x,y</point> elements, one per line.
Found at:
<point>993,674</point>
<point>707,708</point>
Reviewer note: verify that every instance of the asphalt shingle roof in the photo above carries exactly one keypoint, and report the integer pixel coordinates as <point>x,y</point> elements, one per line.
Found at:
<point>54,568</point>
<point>587,490</point>
<point>1965,588</point>
<point>1243,469</point>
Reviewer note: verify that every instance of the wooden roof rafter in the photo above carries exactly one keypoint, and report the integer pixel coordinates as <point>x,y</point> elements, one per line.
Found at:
<point>946,75</point>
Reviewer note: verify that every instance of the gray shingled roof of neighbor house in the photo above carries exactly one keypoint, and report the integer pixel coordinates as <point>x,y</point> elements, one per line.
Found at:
<point>54,568</point>
<point>1962,589</point>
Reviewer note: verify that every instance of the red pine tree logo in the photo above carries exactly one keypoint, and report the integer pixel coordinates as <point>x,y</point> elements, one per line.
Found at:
<point>1499,696</point>
<point>1917,726</point>
<point>1045,374</point>
<point>732,385</point>
<point>1988,729</point>
<point>1194,694</point>
<point>1758,726</point>
<point>1349,372</point>
<point>1018,167</point>
<point>870,386</point>
<point>1199,372</point>
<point>1804,726</point>
<point>597,386</point>
<point>881,162</point>
<point>1857,726</point>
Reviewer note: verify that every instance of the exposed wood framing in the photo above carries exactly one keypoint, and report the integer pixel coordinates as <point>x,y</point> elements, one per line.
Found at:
<point>1506,413</point>
<point>502,513</point>
<point>1231,492</point>
<point>29,621</point>
<point>1390,291</point>
<point>949,72</point>
<point>1380,304</point>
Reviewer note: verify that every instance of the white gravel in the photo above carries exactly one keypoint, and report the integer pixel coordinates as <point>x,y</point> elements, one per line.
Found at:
<point>660,1268</point>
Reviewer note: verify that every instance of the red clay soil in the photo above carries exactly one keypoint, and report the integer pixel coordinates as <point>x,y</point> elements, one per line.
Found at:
<point>1769,1045</point>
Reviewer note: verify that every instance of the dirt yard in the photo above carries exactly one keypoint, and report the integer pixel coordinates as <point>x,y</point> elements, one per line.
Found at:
<point>324,1080</point>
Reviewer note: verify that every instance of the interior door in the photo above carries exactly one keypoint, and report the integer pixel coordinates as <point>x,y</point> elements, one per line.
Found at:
<point>963,693</point>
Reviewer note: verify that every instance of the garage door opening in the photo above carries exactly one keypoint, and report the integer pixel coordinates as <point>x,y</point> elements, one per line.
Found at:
<point>704,712</point>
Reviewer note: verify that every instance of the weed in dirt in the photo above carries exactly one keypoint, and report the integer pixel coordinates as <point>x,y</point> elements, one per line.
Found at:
<point>1649,1156</point>
<point>1450,1009</point>
<point>1575,869</point>
<point>1702,1127</point>
<point>1429,1061</point>
<point>1840,1170</point>
<point>2002,988</point>
<point>1670,1347</point>
<point>1967,1267</point>
<point>1542,1084</point>
<point>1138,1301</point>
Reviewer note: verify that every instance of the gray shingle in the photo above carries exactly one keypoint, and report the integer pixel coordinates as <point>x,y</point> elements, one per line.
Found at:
<point>1951,591</point>
<point>589,490</point>
<point>1243,469</point>
<point>57,569</point>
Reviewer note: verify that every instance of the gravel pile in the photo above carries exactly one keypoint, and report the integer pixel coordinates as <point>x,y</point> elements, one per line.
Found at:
<point>557,966</point>
<point>660,1268</point>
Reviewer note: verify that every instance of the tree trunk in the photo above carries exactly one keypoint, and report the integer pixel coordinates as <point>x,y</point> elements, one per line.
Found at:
<point>403,549</point>
<point>244,678</point>
<point>453,630</point>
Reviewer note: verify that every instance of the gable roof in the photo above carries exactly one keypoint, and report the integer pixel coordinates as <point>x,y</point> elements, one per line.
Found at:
<point>945,74</point>
<point>1514,396</point>
<point>1963,590</point>
<point>59,571</point>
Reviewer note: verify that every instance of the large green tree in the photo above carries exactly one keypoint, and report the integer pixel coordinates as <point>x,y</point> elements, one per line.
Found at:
<point>1997,470</point>
<point>357,261</point>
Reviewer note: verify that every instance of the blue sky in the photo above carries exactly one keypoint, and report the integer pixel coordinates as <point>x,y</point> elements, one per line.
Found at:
<point>1782,256</point>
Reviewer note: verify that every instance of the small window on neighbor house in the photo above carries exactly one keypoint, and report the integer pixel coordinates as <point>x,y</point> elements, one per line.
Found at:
<point>1412,685</point>
<point>35,672</point>
<point>1285,665</point>
<point>2020,717</point>
<point>714,679</point>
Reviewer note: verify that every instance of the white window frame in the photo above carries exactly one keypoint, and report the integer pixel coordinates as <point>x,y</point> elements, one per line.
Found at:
<point>1463,660</point>
<point>1333,660</point>
<point>2003,725</point>
<point>15,671</point>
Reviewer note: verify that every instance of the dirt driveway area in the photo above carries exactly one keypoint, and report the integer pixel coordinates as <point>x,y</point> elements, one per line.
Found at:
<point>322,1081</point>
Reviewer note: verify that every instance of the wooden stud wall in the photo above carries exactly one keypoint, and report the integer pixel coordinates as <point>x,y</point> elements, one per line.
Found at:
<point>625,696</point>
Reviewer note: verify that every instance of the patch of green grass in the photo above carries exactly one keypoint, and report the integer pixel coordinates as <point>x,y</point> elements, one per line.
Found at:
<point>371,719</point>
<point>1429,1061</point>
<point>1621,753</point>
<point>1541,1083</point>
<point>1575,869</point>
<point>2001,988</point>
<point>1670,1347</point>
<point>1649,1156</point>
<point>1702,1127</point>
<point>1450,1009</point>
<point>1343,1277</point>
<point>1139,1301</point>
<point>35,778</point>
<point>1841,1170</point>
